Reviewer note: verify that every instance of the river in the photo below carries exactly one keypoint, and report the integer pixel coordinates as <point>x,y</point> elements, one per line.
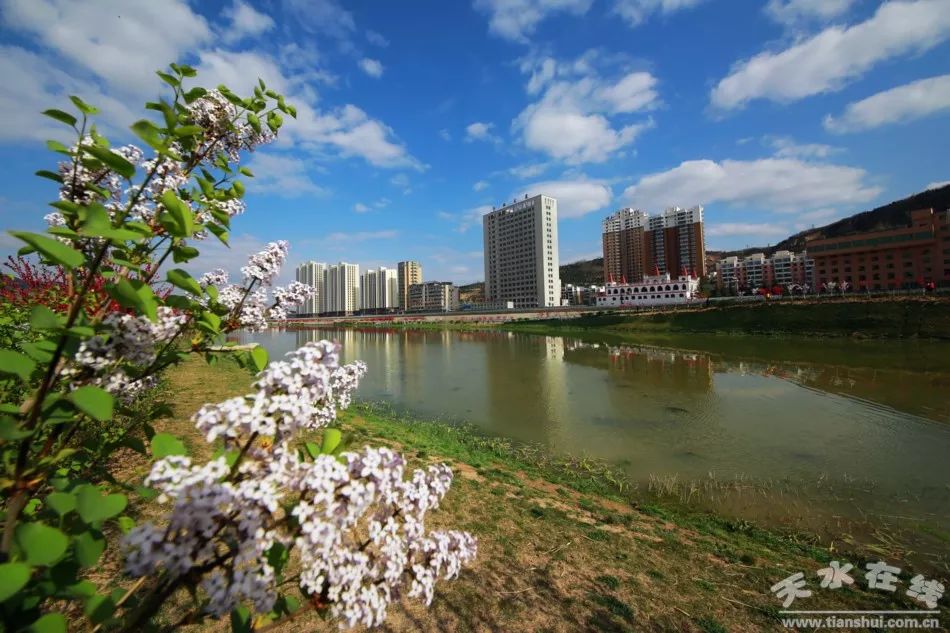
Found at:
<point>847,438</point>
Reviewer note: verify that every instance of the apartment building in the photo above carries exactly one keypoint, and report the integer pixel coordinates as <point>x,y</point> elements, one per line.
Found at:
<point>408,273</point>
<point>311,273</point>
<point>756,270</point>
<point>433,296</point>
<point>904,257</point>
<point>637,244</point>
<point>379,290</point>
<point>342,289</point>
<point>521,253</point>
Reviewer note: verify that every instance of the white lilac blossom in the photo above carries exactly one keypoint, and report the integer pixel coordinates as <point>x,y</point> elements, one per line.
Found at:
<point>216,277</point>
<point>126,340</point>
<point>355,523</point>
<point>264,266</point>
<point>225,131</point>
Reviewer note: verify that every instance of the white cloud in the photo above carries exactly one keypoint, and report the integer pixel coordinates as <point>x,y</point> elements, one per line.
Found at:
<point>400,180</point>
<point>938,185</point>
<point>322,16</point>
<point>772,183</point>
<point>371,67</point>
<point>827,61</point>
<point>481,185</point>
<point>359,207</point>
<point>635,12</point>
<point>915,100</point>
<point>362,236</point>
<point>570,121</point>
<point>466,219</point>
<point>121,42</point>
<point>376,39</point>
<point>794,12</point>
<point>245,22</point>
<point>528,170</point>
<point>479,131</point>
<point>444,135</point>
<point>282,175</point>
<point>729,229</point>
<point>787,147</point>
<point>381,203</point>
<point>517,19</point>
<point>575,198</point>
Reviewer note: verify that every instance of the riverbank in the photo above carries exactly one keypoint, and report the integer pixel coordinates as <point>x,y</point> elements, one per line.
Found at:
<point>562,545</point>
<point>908,318</point>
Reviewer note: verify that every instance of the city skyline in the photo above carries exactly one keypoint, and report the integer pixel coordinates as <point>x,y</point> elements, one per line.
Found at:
<point>409,138</point>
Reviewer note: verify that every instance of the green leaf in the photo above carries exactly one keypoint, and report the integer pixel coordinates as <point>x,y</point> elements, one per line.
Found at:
<point>125,523</point>
<point>331,439</point>
<point>112,160</point>
<point>184,253</point>
<point>219,232</point>
<point>84,107</point>
<point>50,623</point>
<point>40,351</point>
<point>183,219</point>
<point>312,449</point>
<point>98,608</point>
<point>62,117</point>
<point>135,294</point>
<point>13,577</point>
<point>42,544</point>
<point>94,507</point>
<point>241,620</point>
<point>10,429</point>
<point>171,81</point>
<point>42,318</point>
<point>89,547</point>
<point>51,249</point>
<point>95,402</point>
<point>254,122</point>
<point>97,223</point>
<point>194,94</point>
<point>51,175</point>
<point>247,172</point>
<point>188,130</point>
<point>62,503</point>
<point>165,444</point>
<point>16,363</point>
<point>150,133</point>
<point>180,278</point>
<point>56,146</point>
<point>259,358</point>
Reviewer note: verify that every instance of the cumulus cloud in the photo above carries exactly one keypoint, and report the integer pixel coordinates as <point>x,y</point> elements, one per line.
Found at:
<point>575,197</point>
<point>481,185</point>
<point>782,184</point>
<point>795,12</point>
<point>376,39</point>
<point>245,21</point>
<point>787,147</point>
<point>916,100</point>
<point>444,135</point>
<point>480,131</point>
<point>570,121</point>
<point>359,207</point>
<point>371,67</point>
<point>516,20</point>
<point>835,56</point>
<point>283,175</point>
<point>635,12</point>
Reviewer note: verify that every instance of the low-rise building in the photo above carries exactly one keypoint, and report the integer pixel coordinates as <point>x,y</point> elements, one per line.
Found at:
<point>433,296</point>
<point>572,295</point>
<point>783,268</point>
<point>904,257</point>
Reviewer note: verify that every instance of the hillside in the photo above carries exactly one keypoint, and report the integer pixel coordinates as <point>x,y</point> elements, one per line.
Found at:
<point>891,215</point>
<point>583,273</point>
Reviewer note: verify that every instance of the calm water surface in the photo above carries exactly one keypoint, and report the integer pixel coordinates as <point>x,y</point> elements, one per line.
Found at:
<point>853,429</point>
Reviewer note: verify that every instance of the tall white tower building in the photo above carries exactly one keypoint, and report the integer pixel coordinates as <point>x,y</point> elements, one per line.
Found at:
<point>342,288</point>
<point>311,273</point>
<point>521,257</point>
<point>379,289</point>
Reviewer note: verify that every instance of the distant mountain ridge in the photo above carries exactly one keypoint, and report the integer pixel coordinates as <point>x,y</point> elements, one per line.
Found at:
<point>891,215</point>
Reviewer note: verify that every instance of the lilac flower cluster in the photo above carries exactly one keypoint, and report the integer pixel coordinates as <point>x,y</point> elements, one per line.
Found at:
<point>355,523</point>
<point>265,266</point>
<point>225,131</point>
<point>126,341</point>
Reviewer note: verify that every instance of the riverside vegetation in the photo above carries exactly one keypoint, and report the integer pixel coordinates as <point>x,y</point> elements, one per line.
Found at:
<point>275,518</point>
<point>566,544</point>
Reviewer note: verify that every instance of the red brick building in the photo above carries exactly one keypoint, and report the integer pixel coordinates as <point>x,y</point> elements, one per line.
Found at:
<point>636,244</point>
<point>906,257</point>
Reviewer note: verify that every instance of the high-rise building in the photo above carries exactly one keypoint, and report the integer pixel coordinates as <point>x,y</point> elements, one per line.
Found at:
<point>521,257</point>
<point>636,244</point>
<point>624,246</point>
<point>379,290</point>
<point>409,272</point>
<point>433,296</point>
<point>311,273</point>
<point>342,288</point>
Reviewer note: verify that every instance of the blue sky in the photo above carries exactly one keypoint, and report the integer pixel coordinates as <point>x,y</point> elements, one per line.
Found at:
<point>415,118</point>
